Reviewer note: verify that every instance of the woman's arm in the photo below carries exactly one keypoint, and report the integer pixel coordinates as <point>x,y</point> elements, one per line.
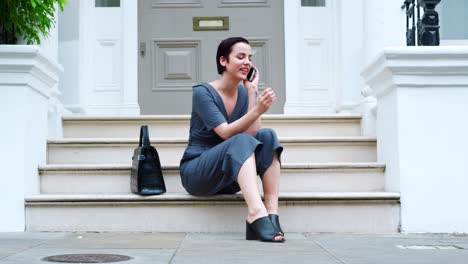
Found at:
<point>257,124</point>
<point>249,120</point>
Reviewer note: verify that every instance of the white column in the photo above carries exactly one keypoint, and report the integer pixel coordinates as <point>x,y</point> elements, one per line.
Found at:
<point>291,56</point>
<point>350,58</point>
<point>27,79</point>
<point>49,44</point>
<point>384,26</point>
<point>71,54</point>
<point>50,48</point>
<point>129,102</point>
<point>422,130</point>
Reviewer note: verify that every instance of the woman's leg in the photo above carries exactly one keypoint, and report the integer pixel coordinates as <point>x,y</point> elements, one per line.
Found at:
<point>268,166</point>
<point>270,182</point>
<point>247,180</point>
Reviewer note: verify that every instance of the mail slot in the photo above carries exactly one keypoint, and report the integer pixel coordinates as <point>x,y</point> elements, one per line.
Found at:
<point>210,23</point>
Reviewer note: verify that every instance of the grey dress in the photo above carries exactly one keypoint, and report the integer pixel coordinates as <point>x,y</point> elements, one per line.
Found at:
<point>210,165</point>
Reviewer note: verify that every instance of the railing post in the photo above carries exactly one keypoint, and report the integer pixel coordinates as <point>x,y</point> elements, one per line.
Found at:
<point>410,31</point>
<point>427,27</point>
<point>428,34</point>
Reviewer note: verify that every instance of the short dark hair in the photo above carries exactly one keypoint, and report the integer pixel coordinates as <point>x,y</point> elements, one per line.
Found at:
<point>225,48</point>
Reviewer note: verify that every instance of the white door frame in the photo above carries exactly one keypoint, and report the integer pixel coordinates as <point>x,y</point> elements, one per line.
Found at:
<point>296,103</point>
<point>130,57</point>
<point>122,56</point>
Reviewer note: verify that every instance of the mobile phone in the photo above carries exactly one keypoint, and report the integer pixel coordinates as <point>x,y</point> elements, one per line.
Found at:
<point>251,74</point>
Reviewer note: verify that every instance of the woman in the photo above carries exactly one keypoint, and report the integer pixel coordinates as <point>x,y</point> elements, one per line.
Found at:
<point>227,149</point>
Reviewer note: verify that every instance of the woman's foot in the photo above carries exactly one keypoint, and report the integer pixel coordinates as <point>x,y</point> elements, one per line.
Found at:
<point>263,229</point>
<point>276,224</point>
<point>256,213</point>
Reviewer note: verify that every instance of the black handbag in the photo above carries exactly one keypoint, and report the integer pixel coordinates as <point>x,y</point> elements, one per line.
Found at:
<point>146,175</point>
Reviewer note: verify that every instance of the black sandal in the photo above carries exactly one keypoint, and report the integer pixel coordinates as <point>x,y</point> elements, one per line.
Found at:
<point>275,221</point>
<point>262,229</point>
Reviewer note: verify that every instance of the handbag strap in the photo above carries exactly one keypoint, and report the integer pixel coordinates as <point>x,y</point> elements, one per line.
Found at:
<point>144,136</point>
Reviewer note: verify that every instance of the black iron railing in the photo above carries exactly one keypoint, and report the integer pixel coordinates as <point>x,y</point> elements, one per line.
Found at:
<point>422,31</point>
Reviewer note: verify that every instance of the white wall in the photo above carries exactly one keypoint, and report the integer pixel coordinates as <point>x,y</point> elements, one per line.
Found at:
<point>388,150</point>
<point>13,160</point>
<point>434,165</point>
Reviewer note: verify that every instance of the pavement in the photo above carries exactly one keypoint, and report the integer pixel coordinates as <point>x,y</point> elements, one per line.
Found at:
<point>32,247</point>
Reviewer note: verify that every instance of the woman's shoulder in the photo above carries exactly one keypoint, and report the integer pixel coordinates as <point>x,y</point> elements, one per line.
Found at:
<point>200,86</point>
<point>204,86</point>
<point>203,90</point>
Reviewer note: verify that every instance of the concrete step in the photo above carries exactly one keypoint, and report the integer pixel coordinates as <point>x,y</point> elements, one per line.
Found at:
<point>297,150</point>
<point>286,126</point>
<point>366,212</point>
<point>115,179</point>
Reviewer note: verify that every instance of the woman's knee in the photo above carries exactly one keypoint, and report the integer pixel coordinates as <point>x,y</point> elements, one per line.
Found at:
<point>266,134</point>
<point>242,137</point>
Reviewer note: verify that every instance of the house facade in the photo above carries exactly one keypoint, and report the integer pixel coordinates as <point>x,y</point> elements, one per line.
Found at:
<point>323,57</point>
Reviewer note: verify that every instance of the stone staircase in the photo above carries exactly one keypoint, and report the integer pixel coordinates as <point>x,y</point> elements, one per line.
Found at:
<point>330,182</point>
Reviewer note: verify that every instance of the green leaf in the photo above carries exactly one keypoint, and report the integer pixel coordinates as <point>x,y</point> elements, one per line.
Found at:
<point>29,18</point>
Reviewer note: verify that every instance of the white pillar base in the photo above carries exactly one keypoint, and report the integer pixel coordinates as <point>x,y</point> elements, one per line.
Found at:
<point>422,129</point>
<point>26,81</point>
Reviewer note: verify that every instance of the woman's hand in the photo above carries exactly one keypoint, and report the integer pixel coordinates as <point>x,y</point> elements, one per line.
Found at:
<point>265,100</point>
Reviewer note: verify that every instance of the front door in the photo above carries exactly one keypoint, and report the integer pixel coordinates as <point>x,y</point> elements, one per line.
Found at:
<point>178,41</point>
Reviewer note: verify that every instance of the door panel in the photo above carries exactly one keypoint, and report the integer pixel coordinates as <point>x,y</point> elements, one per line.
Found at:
<point>176,65</point>
<point>176,57</point>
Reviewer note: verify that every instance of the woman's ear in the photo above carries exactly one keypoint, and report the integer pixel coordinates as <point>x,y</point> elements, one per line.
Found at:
<point>222,61</point>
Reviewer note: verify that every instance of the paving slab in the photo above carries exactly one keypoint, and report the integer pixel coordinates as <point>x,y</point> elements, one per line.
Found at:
<point>321,259</point>
<point>247,248</point>
<point>460,240</point>
<point>233,248</point>
<point>139,256</point>
<point>31,235</point>
<point>234,236</point>
<point>118,240</point>
<point>16,242</point>
<point>384,249</point>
